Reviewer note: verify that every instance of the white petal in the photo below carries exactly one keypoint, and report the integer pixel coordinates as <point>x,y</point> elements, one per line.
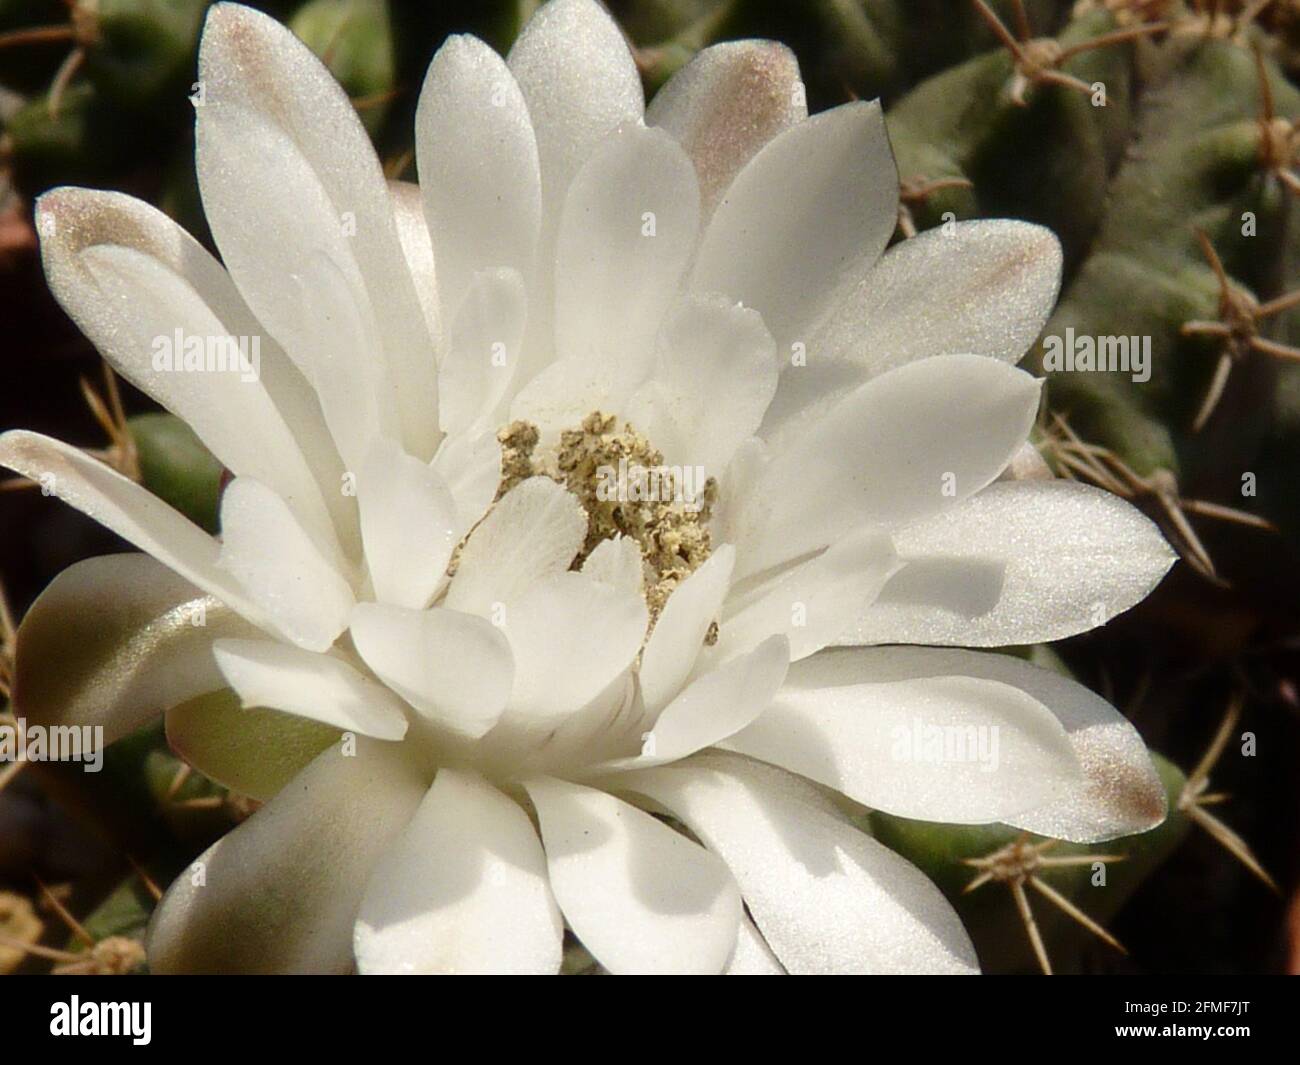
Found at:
<point>284,242</point>
<point>454,668</point>
<point>951,748</point>
<point>1020,562</point>
<point>132,512</point>
<point>535,530</point>
<point>70,219</point>
<point>630,222</point>
<point>678,635</point>
<point>278,567</point>
<point>566,391</point>
<point>752,956</point>
<point>251,65</point>
<point>114,641</point>
<point>617,562</point>
<point>737,488</point>
<point>640,896</point>
<point>478,165</point>
<point>280,893</point>
<point>708,347</point>
<point>279,677</point>
<point>984,287</point>
<point>471,467</point>
<point>408,524</point>
<point>912,442</point>
<point>462,890</point>
<point>485,349</point>
<point>728,102</point>
<point>140,288</point>
<point>827,897</point>
<point>571,636</point>
<point>1027,464</point>
<point>717,705</point>
<point>817,199</point>
<point>1120,792</point>
<point>812,602</point>
<point>417,247</point>
<point>579,82</point>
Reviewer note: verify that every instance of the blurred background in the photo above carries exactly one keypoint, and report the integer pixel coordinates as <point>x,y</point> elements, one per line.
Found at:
<point>1176,198</point>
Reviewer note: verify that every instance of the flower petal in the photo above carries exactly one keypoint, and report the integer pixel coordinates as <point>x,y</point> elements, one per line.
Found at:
<point>707,348</point>
<point>462,890</point>
<point>133,281</point>
<point>950,748</point>
<point>726,103</point>
<point>318,687</point>
<point>909,443</point>
<point>827,897</point>
<point>1120,792</point>
<point>417,247</point>
<point>255,71</point>
<point>454,668</point>
<point>571,636</point>
<point>640,896</point>
<point>1020,562</point>
<point>408,524</point>
<point>834,180</point>
<point>678,635</point>
<point>478,165</point>
<point>115,641</point>
<point>630,223</point>
<point>715,706</point>
<point>984,286</point>
<point>279,567</point>
<point>280,893</point>
<point>470,465</point>
<point>617,562</point>
<point>752,957</point>
<point>485,350</point>
<point>565,392</point>
<point>304,283</point>
<point>132,512</point>
<point>813,601</point>
<point>579,81</point>
<point>534,531</point>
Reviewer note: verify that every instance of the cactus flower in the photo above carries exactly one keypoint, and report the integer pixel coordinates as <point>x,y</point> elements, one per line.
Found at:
<point>581,490</point>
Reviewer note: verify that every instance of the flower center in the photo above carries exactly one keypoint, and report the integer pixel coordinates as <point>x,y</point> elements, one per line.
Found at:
<point>622,483</point>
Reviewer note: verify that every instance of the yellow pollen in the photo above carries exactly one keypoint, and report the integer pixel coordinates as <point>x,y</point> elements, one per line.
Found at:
<point>671,530</point>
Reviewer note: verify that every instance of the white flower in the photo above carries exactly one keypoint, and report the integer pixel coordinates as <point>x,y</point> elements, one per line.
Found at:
<point>697,285</point>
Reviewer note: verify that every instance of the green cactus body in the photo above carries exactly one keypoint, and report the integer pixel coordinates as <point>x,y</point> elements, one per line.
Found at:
<point>141,52</point>
<point>84,141</point>
<point>1194,165</point>
<point>1043,162</point>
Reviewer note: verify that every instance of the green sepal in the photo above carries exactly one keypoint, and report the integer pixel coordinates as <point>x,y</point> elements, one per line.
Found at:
<point>253,752</point>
